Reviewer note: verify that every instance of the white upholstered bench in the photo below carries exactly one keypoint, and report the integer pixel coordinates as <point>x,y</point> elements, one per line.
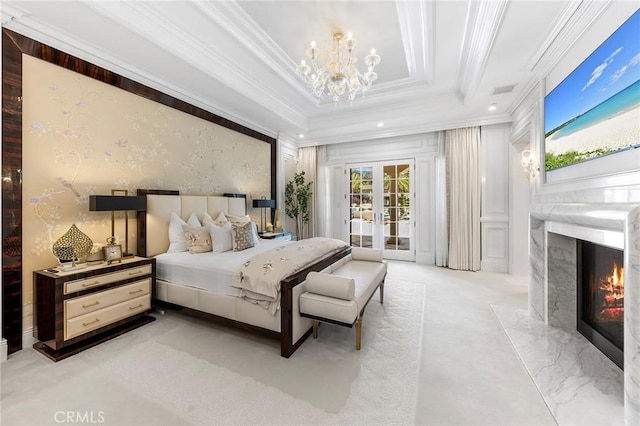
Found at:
<point>341,296</point>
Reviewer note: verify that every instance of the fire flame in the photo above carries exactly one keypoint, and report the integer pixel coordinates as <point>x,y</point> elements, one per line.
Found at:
<point>612,287</point>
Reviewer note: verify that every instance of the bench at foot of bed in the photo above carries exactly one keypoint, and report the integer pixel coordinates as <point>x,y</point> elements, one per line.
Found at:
<point>340,297</point>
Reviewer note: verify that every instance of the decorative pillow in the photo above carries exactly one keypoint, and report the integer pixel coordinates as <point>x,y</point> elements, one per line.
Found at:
<point>242,220</point>
<point>221,238</point>
<point>220,220</point>
<point>198,239</point>
<point>177,241</point>
<point>238,219</point>
<point>242,236</point>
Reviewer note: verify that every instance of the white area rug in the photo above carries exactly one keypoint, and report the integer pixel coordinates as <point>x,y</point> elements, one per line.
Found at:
<point>209,374</point>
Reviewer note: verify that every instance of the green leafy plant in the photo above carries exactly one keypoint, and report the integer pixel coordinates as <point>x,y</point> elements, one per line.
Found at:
<point>554,161</point>
<point>297,195</point>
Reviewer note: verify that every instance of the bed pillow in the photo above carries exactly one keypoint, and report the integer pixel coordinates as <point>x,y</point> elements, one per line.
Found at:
<point>246,219</point>
<point>238,219</point>
<point>206,219</point>
<point>221,238</point>
<point>198,238</point>
<point>242,236</point>
<point>177,241</point>
<point>220,220</point>
<point>256,238</point>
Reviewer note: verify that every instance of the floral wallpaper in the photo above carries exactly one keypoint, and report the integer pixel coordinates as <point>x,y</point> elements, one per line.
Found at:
<point>82,137</point>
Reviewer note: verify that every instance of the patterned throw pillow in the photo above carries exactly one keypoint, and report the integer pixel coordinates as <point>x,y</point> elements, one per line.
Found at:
<point>198,239</point>
<point>242,234</point>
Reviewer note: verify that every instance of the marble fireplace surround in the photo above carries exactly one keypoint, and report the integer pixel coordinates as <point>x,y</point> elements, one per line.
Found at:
<point>554,226</point>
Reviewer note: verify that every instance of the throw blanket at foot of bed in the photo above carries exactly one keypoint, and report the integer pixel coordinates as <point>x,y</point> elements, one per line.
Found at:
<point>259,278</point>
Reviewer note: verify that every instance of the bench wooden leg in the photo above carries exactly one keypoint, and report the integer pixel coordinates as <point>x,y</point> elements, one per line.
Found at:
<point>315,328</point>
<point>382,293</point>
<point>358,332</point>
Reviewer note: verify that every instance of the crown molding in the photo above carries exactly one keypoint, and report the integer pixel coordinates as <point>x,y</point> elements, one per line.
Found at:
<point>523,95</point>
<point>483,22</point>
<point>23,24</point>
<point>231,17</point>
<point>417,27</point>
<point>338,135</point>
<point>10,13</point>
<point>521,126</point>
<point>572,24</point>
<point>574,20</point>
<point>144,20</point>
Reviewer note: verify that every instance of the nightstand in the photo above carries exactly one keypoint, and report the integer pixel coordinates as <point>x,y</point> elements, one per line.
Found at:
<point>75,310</point>
<point>288,236</point>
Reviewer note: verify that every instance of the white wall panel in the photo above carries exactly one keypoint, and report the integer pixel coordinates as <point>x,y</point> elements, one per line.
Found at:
<point>495,246</point>
<point>338,211</point>
<point>495,198</point>
<point>425,210</point>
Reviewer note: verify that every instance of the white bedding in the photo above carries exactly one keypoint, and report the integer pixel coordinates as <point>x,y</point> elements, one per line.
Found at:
<point>209,271</point>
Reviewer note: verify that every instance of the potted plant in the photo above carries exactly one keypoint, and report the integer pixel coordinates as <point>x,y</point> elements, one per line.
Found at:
<point>297,199</point>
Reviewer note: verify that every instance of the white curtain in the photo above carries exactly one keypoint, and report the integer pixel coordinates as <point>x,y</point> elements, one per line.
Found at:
<point>462,148</point>
<point>442,217</point>
<point>307,162</point>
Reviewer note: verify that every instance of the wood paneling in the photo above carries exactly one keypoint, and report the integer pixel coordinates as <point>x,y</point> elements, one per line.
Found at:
<point>13,46</point>
<point>11,194</point>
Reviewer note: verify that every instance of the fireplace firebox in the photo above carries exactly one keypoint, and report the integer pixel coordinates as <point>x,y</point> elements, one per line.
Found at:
<point>601,298</point>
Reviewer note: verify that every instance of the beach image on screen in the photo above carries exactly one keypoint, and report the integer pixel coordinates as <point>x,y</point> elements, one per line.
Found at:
<point>595,111</point>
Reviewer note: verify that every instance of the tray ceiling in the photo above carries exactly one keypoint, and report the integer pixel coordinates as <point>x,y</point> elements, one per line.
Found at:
<point>441,63</point>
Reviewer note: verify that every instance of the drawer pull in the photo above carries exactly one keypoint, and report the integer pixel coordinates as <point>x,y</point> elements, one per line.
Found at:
<point>137,291</point>
<point>139,305</point>
<point>91,304</point>
<point>138,272</point>
<point>91,284</point>
<point>91,322</point>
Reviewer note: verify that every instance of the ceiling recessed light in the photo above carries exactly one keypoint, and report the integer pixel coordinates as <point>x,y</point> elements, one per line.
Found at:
<point>300,135</point>
<point>380,124</point>
<point>493,107</point>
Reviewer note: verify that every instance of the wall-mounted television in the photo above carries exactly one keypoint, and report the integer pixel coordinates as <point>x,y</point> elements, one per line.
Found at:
<point>595,110</point>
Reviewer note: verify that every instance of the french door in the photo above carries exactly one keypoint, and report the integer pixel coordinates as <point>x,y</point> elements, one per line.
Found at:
<point>381,199</point>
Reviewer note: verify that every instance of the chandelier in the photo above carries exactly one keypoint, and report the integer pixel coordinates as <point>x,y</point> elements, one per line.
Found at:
<point>334,72</point>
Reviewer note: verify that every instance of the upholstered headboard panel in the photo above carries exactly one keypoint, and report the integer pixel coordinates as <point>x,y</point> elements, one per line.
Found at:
<point>160,207</point>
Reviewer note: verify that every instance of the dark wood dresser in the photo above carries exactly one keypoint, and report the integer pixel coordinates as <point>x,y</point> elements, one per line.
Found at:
<point>75,310</point>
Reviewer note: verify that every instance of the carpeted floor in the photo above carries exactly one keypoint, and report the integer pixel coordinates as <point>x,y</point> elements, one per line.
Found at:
<point>180,370</point>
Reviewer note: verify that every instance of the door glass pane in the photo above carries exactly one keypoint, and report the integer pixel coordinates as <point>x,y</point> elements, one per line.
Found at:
<point>397,207</point>
<point>361,209</point>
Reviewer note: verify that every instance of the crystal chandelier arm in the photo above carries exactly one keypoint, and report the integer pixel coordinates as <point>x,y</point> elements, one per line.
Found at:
<point>334,72</point>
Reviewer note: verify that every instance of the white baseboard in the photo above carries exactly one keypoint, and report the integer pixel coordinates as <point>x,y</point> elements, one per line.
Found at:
<point>492,266</point>
<point>425,258</point>
<point>27,341</point>
<point>27,338</point>
<point>4,350</point>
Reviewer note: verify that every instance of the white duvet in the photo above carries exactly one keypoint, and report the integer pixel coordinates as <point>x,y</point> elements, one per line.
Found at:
<point>209,271</point>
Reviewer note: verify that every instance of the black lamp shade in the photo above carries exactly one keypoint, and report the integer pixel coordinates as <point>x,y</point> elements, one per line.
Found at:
<point>264,204</point>
<point>103,203</point>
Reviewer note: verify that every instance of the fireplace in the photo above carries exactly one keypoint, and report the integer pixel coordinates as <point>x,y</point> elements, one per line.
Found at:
<point>600,298</point>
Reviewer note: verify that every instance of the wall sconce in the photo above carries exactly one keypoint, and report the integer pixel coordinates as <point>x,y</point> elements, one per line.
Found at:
<point>263,204</point>
<point>530,164</point>
<point>118,201</point>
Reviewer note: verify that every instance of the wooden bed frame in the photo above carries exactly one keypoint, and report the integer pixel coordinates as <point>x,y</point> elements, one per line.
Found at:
<point>287,304</point>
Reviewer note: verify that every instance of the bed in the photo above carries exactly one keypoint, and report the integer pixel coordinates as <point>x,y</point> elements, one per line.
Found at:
<point>185,280</point>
